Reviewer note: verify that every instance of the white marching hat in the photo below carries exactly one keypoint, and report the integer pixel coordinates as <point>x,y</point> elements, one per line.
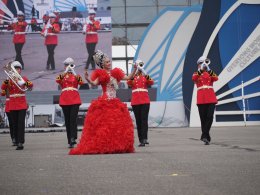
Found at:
<point>52,15</point>
<point>20,13</point>
<point>16,64</point>
<point>68,61</point>
<point>91,11</point>
<point>201,59</point>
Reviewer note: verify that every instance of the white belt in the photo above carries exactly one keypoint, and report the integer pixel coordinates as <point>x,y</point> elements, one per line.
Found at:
<point>69,89</point>
<point>205,87</point>
<point>91,32</point>
<point>139,90</point>
<point>17,95</point>
<point>19,33</point>
<point>51,34</point>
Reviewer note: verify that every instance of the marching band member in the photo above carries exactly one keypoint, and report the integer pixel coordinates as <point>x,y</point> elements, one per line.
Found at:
<point>50,31</point>
<point>19,29</point>
<point>70,99</point>
<point>140,101</point>
<point>91,40</point>
<point>18,104</point>
<point>206,97</point>
<point>5,92</point>
<point>57,19</point>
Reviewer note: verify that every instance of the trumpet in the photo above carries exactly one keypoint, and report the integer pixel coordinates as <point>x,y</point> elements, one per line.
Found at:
<point>11,72</point>
<point>70,68</point>
<point>207,61</point>
<point>140,66</point>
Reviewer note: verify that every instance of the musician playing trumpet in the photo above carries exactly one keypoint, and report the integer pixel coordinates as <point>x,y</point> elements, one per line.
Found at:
<point>50,31</point>
<point>70,99</point>
<point>17,85</point>
<point>19,28</point>
<point>140,101</point>
<point>90,29</point>
<point>206,97</point>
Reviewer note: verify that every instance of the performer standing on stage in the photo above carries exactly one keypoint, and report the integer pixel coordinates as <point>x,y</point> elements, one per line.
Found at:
<point>90,29</point>
<point>108,127</point>
<point>19,29</point>
<point>140,101</point>
<point>50,31</point>
<point>5,92</point>
<point>70,99</point>
<point>206,97</point>
<point>18,104</point>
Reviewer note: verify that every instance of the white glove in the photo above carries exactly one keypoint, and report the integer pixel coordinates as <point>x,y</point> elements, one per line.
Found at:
<point>84,29</point>
<point>21,82</point>
<point>89,22</point>
<point>73,72</point>
<point>67,69</point>
<point>207,67</point>
<point>48,25</point>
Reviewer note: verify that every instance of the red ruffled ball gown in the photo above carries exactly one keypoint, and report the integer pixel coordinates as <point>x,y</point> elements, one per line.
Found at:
<point>108,127</point>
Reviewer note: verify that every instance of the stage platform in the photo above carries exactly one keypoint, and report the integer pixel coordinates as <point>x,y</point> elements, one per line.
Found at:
<point>175,163</point>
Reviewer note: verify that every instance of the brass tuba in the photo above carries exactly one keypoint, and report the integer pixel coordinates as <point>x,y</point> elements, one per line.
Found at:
<point>11,72</point>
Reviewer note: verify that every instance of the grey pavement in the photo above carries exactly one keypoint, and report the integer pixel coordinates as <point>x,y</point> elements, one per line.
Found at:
<point>176,162</point>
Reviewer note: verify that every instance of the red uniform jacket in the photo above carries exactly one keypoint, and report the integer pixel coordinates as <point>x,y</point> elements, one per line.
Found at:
<point>7,105</point>
<point>69,85</point>
<point>91,32</point>
<point>17,97</point>
<point>139,89</point>
<point>52,38</point>
<point>19,31</point>
<point>205,92</point>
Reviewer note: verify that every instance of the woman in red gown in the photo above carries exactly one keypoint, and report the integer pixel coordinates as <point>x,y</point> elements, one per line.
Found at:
<point>108,127</point>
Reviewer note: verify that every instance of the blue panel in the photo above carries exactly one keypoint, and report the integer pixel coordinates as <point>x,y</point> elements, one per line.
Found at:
<point>232,35</point>
<point>165,94</point>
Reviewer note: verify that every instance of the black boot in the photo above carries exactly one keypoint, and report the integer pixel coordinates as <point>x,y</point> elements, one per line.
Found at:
<point>19,146</point>
<point>206,141</point>
<point>73,141</point>
<point>142,144</point>
<point>146,141</point>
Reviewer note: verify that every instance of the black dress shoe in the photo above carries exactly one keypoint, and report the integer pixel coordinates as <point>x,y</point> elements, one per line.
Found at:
<point>206,141</point>
<point>71,145</point>
<point>73,141</point>
<point>146,141</point>
<point>141,144</point>
<point>19,146</point>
